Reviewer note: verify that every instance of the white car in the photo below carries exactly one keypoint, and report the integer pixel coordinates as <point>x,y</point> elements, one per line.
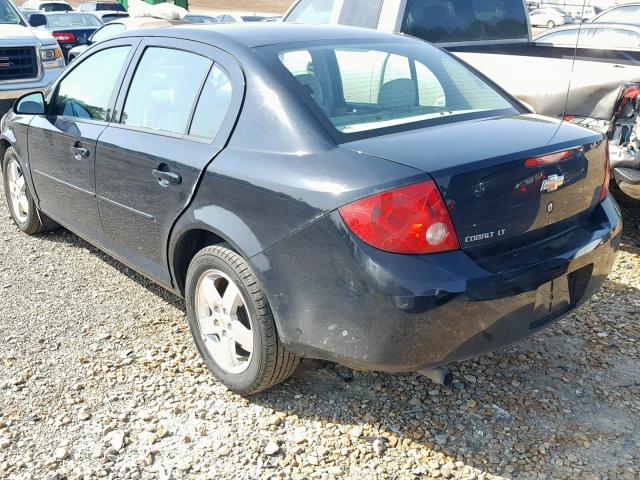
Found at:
<point>47,5</point>
<point>549,17</point>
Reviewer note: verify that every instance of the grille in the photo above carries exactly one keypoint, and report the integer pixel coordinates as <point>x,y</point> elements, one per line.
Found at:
<point>18,62</point>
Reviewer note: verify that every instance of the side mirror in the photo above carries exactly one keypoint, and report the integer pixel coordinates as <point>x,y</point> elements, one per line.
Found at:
<point>37,20</point>
<point>30,104</point>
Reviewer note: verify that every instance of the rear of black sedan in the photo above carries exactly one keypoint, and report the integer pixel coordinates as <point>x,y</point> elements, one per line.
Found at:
<point>71,29</point>
<point>369,199</point>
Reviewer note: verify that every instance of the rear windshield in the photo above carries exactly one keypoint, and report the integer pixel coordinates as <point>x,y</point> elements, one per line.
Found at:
<point>72,20</point>
<point>445,21</point>
<point>110,6</point>
<point>359,88</point>
<point>55,7</point>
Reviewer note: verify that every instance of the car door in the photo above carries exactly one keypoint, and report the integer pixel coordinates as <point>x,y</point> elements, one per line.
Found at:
<point>174,117</point>
<point>62,142</point>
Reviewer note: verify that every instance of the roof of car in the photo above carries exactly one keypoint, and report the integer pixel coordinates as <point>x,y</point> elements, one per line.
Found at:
<point>257,34</point>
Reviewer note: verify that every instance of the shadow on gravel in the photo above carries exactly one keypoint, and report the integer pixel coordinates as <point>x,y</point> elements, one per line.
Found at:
<point>70,239</point>
<point>556,404</point>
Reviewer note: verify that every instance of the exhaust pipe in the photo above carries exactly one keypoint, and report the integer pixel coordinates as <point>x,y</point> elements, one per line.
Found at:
<point>438,375</point>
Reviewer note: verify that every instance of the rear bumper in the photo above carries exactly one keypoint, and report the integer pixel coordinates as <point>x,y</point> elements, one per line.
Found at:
<point>628,179</point>
<point>336,298</point>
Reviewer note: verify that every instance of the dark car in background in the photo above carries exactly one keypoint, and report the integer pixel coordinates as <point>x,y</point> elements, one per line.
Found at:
<point>317,191</point>
<point>101,6</point>
<point>197,18</point>
<point>71,29</point>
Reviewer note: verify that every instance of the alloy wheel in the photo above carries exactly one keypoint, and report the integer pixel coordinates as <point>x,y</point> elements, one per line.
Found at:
<point>18,200</point>
<point>224,321</point>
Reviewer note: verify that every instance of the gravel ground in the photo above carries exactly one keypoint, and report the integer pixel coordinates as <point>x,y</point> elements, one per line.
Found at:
<point>100,379</point>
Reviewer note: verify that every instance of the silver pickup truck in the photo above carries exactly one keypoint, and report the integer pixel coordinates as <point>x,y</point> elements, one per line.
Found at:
<point>30,58</point>
<point>594,87</point>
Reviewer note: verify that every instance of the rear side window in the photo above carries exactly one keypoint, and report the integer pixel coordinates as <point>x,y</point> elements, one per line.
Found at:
<point>313,11</point>
<point>213,104</point>
<point>164,89</point>
<point>442,21</point>
<point>609,37</point>
<point>361,13</point>
<point>87,90</point>
<point>388,87</point>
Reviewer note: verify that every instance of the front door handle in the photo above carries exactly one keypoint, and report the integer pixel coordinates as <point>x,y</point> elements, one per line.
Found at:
<point>165,178</point>
<point>80,153</point>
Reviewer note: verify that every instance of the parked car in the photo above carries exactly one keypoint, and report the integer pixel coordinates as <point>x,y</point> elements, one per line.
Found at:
<point>71,29</point>
<point>116,27</point>
<point>625,13</point>
<point>30,58</point>
<point>90,7</point>
<point>197,18</point>
<point>317,225</point>
<point>549,17</point>
<point>47,5</point>
<point>609,36</point>
<point>104,11</point>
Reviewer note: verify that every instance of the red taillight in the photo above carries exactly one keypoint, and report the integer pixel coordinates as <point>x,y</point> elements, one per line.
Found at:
<point>64,37</point>
<point>411,219</point>
<point>549,159</point>
<point>607,173</point>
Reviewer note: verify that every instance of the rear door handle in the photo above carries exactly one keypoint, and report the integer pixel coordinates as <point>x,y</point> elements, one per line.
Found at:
<point>166,178</point>
<point>80,153</point>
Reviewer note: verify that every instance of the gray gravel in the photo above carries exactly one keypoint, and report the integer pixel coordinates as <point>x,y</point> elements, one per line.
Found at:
<point>100,379</point>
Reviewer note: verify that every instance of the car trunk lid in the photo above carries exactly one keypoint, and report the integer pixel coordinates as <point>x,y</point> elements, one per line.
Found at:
<point>492,192</point>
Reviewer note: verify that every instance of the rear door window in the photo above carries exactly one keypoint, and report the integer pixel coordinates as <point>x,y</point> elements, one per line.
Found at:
<point>164,89</point>
<point>213,104</point>
<point>610,37</point>
<point>443,21</point>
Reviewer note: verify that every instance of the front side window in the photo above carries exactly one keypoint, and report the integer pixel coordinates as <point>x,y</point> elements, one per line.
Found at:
<point>213,104</point>
<point>312,11</point>
<point>383,86</point>
<point>107,31</point>
<point>465,20</point>
<point>361,13</point>
<point>164,89</point>
<point>8,14</point>
<point>86,92</point>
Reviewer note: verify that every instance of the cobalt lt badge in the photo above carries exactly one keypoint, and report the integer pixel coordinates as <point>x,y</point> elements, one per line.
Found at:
<point>550,207</point>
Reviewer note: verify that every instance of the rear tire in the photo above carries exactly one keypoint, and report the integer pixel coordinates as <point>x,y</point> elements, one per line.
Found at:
<point>232,324</point>
<point>551,24</point>
<point>20,200</point>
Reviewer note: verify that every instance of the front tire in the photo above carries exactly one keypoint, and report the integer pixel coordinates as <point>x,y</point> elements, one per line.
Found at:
<point>20,200</point>
<point>551,24</point>
<point>232,323</point>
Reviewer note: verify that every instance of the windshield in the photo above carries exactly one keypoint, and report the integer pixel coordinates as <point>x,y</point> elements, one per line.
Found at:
<point>8,13</point>
<point>359,87</point>
<point>55,7</point>
<point>72,20</point>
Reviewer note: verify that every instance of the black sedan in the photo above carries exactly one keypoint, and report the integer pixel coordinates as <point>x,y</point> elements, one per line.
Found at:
<point>324,192</point>
<point>71,29</point>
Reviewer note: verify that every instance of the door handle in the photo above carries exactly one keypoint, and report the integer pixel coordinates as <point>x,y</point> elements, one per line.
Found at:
<point>80,153</point>
<point>165,178</point>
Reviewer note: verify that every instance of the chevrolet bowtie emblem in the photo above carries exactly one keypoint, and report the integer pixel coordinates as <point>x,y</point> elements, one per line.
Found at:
<point>552,183</point>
